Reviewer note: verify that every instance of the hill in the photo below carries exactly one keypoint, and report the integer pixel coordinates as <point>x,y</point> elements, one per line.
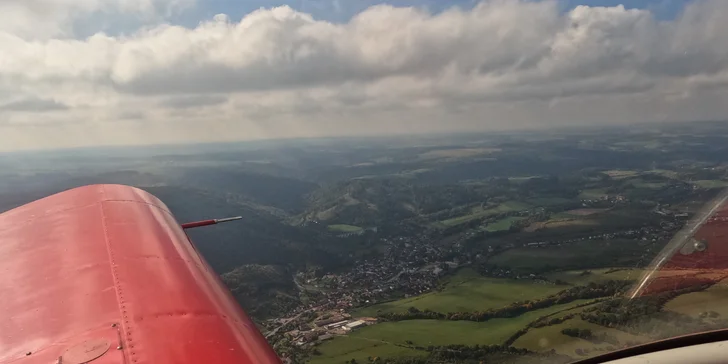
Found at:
<point>263,290</point>
<point>381,201</point>
<point>284,193</point>
<point>259,238</point>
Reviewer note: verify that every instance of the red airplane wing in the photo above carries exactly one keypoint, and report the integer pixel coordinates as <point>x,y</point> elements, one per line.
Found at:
<point>104,274</point>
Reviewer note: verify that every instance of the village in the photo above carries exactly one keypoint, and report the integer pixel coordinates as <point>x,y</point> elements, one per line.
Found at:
<point>413,266</point>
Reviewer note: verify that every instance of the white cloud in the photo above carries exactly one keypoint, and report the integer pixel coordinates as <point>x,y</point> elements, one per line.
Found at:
<point>44,19</point>
<point>279,72</point>
<point>33,105</point>
<point>186,102</point>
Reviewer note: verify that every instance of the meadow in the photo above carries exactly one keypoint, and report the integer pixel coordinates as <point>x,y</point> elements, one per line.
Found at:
<point>401,338</point>
<point>478,212</point>
<point>467,291</point>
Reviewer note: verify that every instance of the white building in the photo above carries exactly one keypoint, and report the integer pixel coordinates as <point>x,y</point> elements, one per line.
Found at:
<point>355,324</point>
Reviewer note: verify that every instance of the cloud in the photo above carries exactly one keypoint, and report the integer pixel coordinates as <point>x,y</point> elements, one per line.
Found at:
<point>44,19</point>
<point>499,64</point>
<point>186,102</point>
<point>33,105</point>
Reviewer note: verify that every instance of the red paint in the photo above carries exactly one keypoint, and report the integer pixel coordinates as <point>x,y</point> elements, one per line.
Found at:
<point>110,263</point>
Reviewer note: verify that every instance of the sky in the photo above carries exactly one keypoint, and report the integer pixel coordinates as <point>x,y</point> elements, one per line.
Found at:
<point>76,73</point>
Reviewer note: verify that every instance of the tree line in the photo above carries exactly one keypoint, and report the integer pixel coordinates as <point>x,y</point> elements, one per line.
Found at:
<point>473,354</point>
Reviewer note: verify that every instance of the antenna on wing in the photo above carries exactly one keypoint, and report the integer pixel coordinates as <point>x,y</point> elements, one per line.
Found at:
<point>192,225</point>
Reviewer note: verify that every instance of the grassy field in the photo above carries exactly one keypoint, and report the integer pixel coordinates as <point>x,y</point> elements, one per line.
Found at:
<point>344,228</point>
<point>385,337</point>
<point>714,298</point>
<point>584,212</point>
<point>345,348</point>
<point>647,144</point>
<point>651,185</point>
<point>521,179</point>
<point>711,183</point>
<point>458,153</point>
<point>502,224</point>
<point>546,338</point>
<point>620,173</point>
<point>576,277</point>
<point>478,212</point>
<point>548,201</point>
<point>665,173</point>
<point>561,219</point>
<point>467,291</point>
<point>593,194</point>
<point>585,254</point>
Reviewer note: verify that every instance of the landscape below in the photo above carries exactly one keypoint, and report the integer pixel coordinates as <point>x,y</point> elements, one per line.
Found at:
<point>514,248</point>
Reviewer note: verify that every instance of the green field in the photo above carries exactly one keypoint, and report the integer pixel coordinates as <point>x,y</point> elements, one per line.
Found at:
<point>521,178</point>
<point>467,291</point>
<point>548,201</point>
<point>546,338</point>
<point>714,298</point>
<point>585,254</point>
<point>502,224</point>
<point>344,228</point>
<point>593,194</point>
<point>711,183</point>
<point>620,173</point>
<point>386,336</point>
<point>647,144</point>
<point>576,277</point>
<point>650,185</point>
<point>345,348</point>
<point>478,212</point>
<point>665,173</point>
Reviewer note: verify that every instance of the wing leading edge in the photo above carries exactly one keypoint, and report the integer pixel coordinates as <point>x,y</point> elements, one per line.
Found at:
<point>105,273</point>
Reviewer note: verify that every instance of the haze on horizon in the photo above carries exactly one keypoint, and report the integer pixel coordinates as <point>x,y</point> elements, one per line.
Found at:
<point>121,72</point>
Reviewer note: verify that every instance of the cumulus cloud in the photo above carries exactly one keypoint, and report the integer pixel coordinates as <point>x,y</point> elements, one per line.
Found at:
<point>186,102</point>
<point>33,105</point>
<point>278,72</point>
<point>43,19</point>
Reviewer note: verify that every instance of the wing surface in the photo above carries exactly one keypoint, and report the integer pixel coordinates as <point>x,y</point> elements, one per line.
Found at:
<point>105,273</point>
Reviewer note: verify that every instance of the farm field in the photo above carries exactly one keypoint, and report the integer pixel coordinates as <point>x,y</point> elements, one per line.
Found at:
<point>345,348</point>
<point>714,299</point>
<point>586,254</point>
<point>711,183</point>
<point>388,336</point>
<point>620,174</point>
<point>548,201</point>
<point>502,224</point>
<point>585,212</point>
<point>467,291</point>
<point>546,338</point>
<point>344,228</point>
<point>581,277</point>
<point>559,220</point>
<point>478,212</point>
<point>458,153</point>
<point>593,193</point>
